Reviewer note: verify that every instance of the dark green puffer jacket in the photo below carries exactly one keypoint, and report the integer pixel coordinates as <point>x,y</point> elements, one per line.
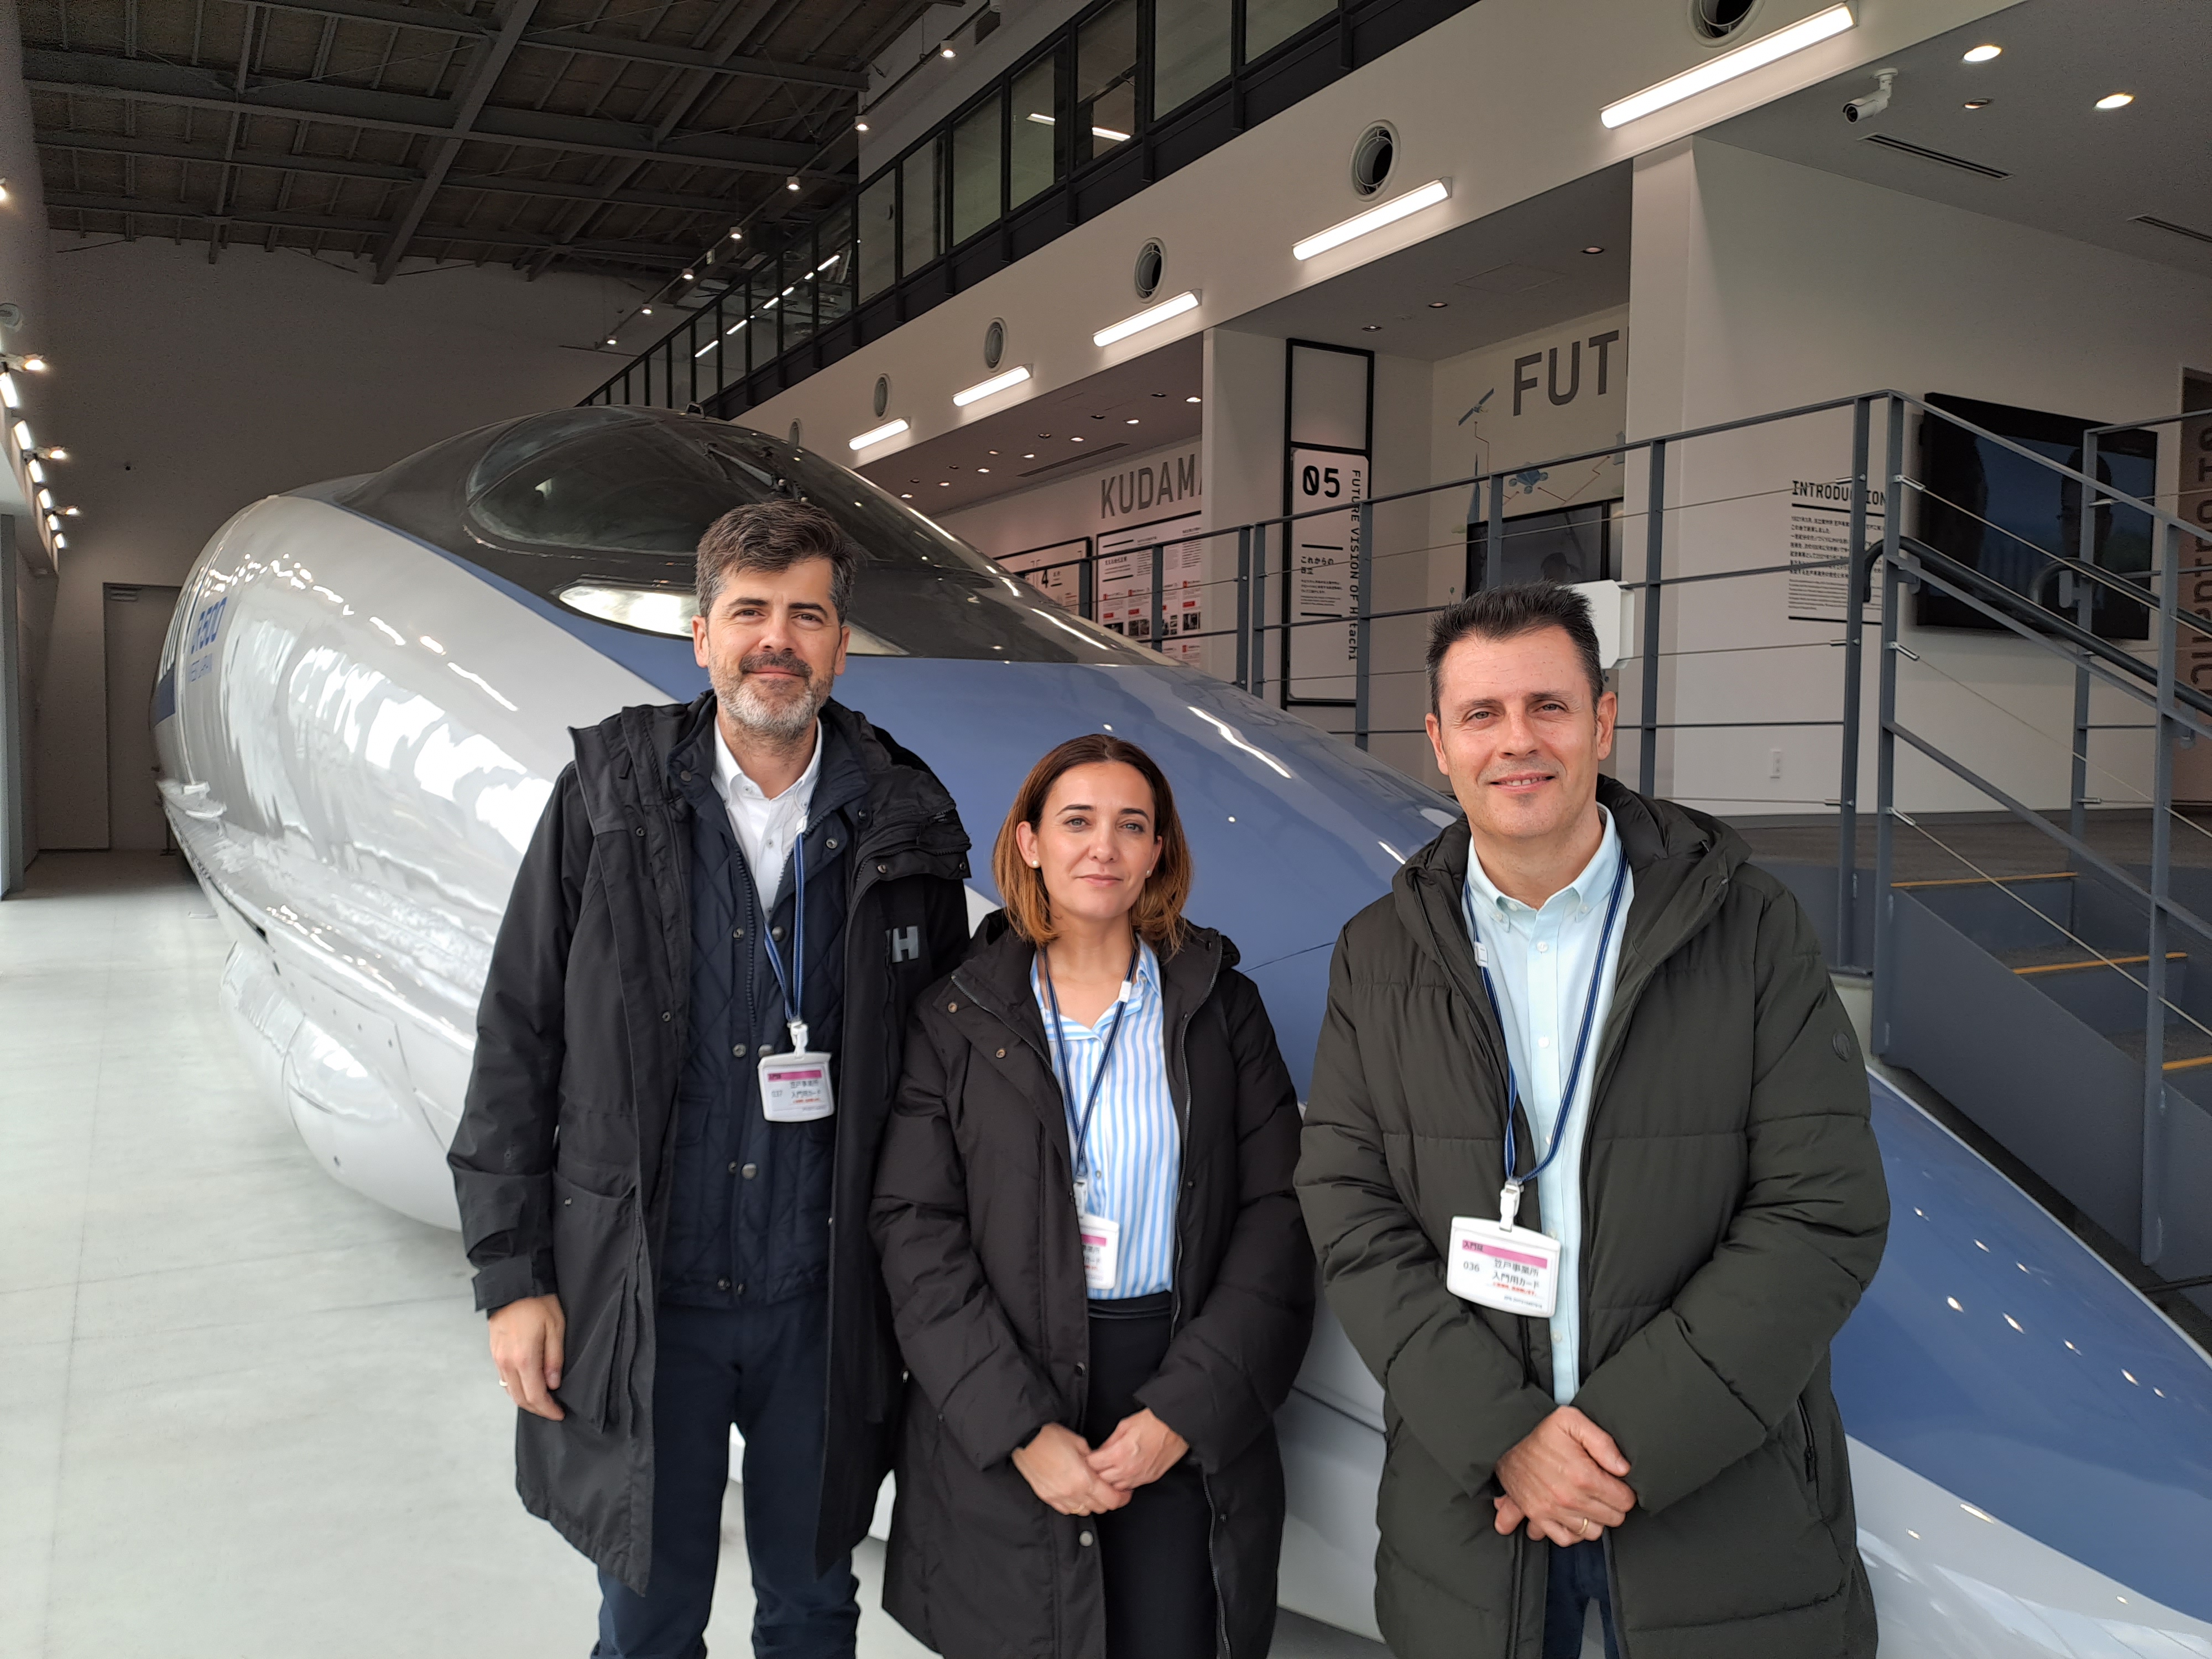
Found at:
<point>1733,1210</point>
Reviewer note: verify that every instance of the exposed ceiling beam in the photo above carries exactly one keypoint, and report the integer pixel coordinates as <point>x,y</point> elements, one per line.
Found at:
<point>147,82</point>
<point>573,39</point>
<point>468,105</point>
<point>339,167</point>
<point>650,255</point>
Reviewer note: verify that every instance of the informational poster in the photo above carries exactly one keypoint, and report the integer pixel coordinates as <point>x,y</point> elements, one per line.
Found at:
<point>1056,571</point>
<point>1323,573</point>
<point>1819,536</point>
<point>1125,585</point>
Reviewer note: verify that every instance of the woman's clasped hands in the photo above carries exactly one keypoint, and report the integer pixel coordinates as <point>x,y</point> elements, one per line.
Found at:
<point>1067,1475</point>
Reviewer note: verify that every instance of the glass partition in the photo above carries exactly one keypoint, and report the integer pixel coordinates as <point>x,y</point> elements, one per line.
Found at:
<point>1191,50</point>
<point>1105,81</point>
<point>920,211</point>
<point>976,155</point>
<point>1032,135</point>
<point>1268,24</point>
<point>878,235</point>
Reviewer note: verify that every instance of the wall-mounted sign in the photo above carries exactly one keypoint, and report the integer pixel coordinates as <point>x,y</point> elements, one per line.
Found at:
<point>1819,543</point>
<point>1329,420</point>
<point>1056,571</point>
<point>1125,584</point>
<point>1518,405</point>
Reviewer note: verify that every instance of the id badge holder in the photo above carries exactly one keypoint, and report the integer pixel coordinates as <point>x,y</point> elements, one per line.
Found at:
<point>795,1086</point>
<point>1102,1250</point>
<point>1497,1265</point>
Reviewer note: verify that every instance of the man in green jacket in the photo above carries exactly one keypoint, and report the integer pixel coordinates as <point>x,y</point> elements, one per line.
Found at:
<point>1588,1165</point>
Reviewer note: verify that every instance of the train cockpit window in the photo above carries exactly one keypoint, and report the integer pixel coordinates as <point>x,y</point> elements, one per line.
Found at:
<point>601,511</point>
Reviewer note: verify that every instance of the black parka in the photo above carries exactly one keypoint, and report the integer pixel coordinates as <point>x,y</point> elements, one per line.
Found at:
<point>563,1156</point>
<point>974,1217</point>
<point>1733,1209</point>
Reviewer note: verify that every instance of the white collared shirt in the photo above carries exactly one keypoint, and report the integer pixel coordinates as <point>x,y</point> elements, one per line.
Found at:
<point>767,829</point>
<point>1539,962</point>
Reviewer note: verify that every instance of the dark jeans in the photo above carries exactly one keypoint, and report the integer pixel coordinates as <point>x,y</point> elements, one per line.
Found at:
<point>1578,1580</point>
<point>1155,1550</point>
<point>762,1369</point>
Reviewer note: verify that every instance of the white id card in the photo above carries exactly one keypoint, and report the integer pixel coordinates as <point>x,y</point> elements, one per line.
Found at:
<point>1102,1250</point>
<point>1516,1269</point>
<point>795,1087</point>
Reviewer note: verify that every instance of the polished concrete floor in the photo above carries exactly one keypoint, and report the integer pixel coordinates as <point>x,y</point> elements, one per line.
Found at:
<point>244,1412</point>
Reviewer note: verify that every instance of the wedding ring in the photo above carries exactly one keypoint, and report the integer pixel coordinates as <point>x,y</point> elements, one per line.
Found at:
<point>1586,1527</point>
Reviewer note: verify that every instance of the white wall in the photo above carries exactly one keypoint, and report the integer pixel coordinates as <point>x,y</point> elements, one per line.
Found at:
<point>1758,284</point>
<point>187,390</point>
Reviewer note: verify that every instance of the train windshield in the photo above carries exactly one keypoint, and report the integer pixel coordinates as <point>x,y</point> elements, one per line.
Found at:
<point>600,510</point>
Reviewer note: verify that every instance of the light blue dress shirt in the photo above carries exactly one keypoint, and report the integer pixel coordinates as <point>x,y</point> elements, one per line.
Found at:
<point>1134,1142</point>
<point>1540,963</point>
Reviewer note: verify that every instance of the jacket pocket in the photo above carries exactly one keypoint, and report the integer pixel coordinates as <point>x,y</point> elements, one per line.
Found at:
<point>1812,1456</point>
<point>593,1257</point>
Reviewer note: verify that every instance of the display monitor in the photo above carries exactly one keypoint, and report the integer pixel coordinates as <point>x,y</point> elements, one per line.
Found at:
<point>1993,508</point>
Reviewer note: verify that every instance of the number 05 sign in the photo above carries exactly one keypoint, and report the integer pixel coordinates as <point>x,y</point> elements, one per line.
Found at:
<point>1323,572</point>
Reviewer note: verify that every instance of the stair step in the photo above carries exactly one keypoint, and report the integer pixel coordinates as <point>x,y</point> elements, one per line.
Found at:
<point>2076,966</point>
<point>1988,881</point>
<point>2187,1048</point>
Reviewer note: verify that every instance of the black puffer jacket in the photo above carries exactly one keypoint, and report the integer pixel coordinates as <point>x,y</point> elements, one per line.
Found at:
<point>975,1221</point>
<point>1733,1210</point>
<point>563,1159</point>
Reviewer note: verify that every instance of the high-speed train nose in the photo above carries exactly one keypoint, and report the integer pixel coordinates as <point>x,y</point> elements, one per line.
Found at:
<point>1291,830</point>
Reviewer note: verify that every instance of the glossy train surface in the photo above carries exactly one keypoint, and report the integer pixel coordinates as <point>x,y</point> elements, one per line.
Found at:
<point>364,700</point>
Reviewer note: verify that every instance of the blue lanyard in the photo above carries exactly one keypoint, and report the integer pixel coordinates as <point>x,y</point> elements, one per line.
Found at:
<point>1067,1072</point>
<point>792,1012</point>
<point>1515,1183</point>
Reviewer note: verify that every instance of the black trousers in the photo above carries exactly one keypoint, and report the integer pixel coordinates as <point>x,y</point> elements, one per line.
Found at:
<point>1155,1550</point>
<point>762,1368</point>
<point>1577,1578</point>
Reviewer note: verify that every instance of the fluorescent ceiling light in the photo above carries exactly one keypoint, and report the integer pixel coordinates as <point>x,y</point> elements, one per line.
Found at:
<point>888,429</point>
<point>1374,219</point>
<point>1095,132</point>
<point>9,395</point>
<point>23,435</point>
<point>1982,54</point>
<point>2116,100</point>
<point>1187,300</point>
<point>1820,27</point>
<point>983,389</point>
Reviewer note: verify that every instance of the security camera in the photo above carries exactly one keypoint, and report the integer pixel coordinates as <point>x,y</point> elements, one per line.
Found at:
<point>1875,102</point>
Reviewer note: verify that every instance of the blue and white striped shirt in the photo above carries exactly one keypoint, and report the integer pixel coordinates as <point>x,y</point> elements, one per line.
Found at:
<point>1134,1143</point>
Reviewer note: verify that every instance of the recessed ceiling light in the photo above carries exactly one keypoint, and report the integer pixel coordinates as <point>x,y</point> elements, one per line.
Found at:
<point>982,468</point>
<point>1977,103</point>
<point>1132,420</point>
<point>1371,328</point>
<point>1440,305</point>
<point>1982,54</point>
<point>1044,434</point>
<point>991,452</point>
<point>610,339</point>
<point>1159,394</point>
<point>1075,440</point>
<point>1190,400</point>
<point>1593,248</point>
<point>1097,417</point>
<point>1030,455</point>
<point>647,310</point>
<point>860,126</point>
<point>945,484</point>
<point>2116,100</point>
<point>944,51</point>
<point>906,494</point>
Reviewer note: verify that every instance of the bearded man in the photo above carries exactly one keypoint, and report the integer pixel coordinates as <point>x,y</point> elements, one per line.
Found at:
<point>685,1054</point>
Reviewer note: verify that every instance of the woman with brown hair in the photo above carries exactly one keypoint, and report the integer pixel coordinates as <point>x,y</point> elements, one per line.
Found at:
<point>1101,1285</point>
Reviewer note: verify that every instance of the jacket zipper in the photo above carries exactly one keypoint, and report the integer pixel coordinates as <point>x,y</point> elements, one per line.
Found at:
<point>1812,1457</point>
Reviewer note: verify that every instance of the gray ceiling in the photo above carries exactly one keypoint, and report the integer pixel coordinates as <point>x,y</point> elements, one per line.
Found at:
<point>2071,168</point>
<point>1517,269</point>
<point>582,133</point>
<point>1126,410</point>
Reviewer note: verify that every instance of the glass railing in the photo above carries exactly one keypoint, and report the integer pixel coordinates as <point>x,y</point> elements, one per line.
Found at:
<point>1123,93</point>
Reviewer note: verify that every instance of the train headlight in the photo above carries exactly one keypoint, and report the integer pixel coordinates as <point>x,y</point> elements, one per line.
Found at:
<point>655,610</point>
